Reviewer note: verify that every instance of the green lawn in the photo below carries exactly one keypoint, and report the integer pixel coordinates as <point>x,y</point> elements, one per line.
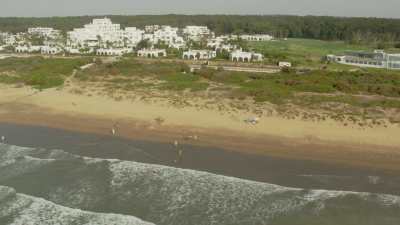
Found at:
<point>302,52</point>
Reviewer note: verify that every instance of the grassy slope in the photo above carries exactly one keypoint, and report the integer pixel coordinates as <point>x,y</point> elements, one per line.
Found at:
<point>129,74</point>
<point>277,88</point>
<point>37,71</point>
<point>302,52</point>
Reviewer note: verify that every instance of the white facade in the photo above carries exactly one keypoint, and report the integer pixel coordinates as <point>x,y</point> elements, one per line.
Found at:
<point>28,49</point>
<point>256,37</point>
<point>71,50</point>
<point>44,32</point>
<point>151,28</point>
<point>102,31</point>
<point>196,33</point>
<point>166,34</point>
<point>21,49</point>
<point>240,56</point>
<point>377,59</point>
<point>48,50</point>
<point>149,37</point>
<point>221,43</point>
<point>178,43</point>
<point>8,38</point>
<point>284,64</point>
<point>113,52</point>
<point>132,36</point>
<point>152,53</point>
<point>257,57</point>
<point>199,54</point>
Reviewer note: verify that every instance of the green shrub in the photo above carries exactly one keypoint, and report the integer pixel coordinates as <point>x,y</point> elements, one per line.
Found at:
<point>41,72</point>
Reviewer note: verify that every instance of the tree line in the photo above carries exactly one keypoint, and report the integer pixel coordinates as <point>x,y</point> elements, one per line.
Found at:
<point>314,27</point>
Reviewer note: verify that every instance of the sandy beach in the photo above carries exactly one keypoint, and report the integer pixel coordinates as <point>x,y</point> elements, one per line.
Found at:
<point>326,141</point>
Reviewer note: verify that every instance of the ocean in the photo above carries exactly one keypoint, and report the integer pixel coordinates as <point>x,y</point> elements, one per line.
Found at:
<point>52,186</point>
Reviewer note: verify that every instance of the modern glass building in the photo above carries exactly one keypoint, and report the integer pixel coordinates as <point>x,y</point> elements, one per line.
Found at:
<point>376,59</point>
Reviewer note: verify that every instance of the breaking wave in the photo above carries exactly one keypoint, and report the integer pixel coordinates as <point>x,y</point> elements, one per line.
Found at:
<point>165,195</point>
<point>20,209</point>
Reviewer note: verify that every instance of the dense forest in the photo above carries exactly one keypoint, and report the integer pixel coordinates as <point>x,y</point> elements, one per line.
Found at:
<point>316,27</point>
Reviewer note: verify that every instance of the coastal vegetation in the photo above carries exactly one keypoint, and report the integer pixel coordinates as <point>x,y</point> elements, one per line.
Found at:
<point>345,86</point>
<point>130,74</point>
<point>38,72</point>
<point>315,86</point>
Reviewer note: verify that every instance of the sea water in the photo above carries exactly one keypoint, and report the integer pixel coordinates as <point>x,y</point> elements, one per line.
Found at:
<point>45,186</point>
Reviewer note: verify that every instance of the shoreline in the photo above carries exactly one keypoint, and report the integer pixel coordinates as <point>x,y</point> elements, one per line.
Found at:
<point>295,173</point>
<point>136,121</point>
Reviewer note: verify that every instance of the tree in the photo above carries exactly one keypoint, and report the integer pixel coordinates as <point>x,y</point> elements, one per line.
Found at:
<point>319,27</point>
<point>99,40</point>
<point>35,39</point>
<point>223,54</point>
<point>143,44</point>
<point>240,43</point>
<point>161,45</point>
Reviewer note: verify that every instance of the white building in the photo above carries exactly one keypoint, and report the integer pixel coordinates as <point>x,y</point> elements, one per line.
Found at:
<point>105,34</point>
<point>21,49</point>
<point>71,50</point>
<point>8,39</point>
<point>221,43</point>
<point>152,53</point>
<point>376,59</point>
<point>100,31</point>
<point>240,56</point>
<point>196,33</point>
<point>151,28</point>
<point>44,32</point>
<point>256,37</point>
<point>166,34</point>
<point>132,36</point>
<point>28,49</point>
<point>199,55</point>
<point>285,64</point>
<point>50,50</point>
<point>113,52</point>
<point>178,43</point>
<point>149,37</point>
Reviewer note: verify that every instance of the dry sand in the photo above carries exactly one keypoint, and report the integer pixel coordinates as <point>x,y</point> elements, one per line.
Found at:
<point>328,140</point>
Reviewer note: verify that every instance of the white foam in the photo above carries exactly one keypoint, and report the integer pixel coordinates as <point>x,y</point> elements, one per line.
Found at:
<point>27,210</point>
<point>222,198</point>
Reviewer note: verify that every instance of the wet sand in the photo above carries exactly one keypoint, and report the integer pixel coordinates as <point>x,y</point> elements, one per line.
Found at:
<point>309,174</point>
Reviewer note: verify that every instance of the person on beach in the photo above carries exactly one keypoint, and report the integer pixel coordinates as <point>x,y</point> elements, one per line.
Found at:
<point>3,139</point>
<point>179,152</point>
